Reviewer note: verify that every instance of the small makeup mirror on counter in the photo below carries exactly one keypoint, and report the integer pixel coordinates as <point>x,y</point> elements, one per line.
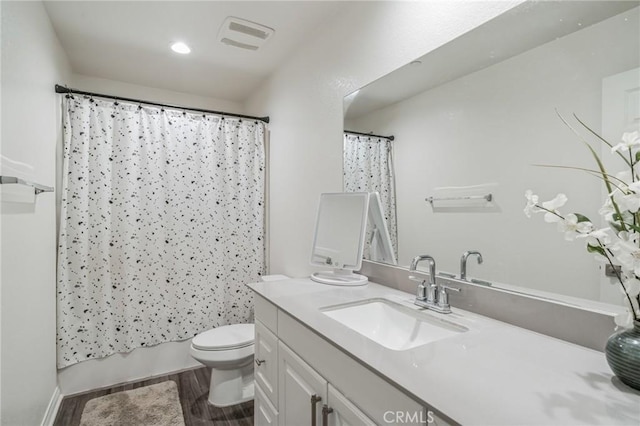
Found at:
<point>339,238</point>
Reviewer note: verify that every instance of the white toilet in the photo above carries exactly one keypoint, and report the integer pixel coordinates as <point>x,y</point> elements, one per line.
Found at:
<point>228,352</point>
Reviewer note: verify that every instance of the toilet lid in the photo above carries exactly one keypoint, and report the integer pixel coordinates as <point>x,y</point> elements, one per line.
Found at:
<point>225,337</point>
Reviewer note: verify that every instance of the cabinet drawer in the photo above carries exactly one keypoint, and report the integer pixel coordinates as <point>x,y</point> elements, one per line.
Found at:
<point>266,312</point>
<point>264,413</point>
<point>266,362</point>
<point>344,412</point>
<point>370,393</point>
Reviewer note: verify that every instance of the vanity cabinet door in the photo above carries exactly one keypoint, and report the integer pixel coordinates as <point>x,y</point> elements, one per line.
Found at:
<point>343,412</point>
<point>302,391</point>
<point>266,362</point>
<point>264,413</point>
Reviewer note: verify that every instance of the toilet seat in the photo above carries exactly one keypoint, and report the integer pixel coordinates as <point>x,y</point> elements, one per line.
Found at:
<point>224,359</point>
<point>225,338</point>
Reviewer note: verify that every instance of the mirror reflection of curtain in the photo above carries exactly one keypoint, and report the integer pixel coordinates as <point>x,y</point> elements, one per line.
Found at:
<point>368,167</point>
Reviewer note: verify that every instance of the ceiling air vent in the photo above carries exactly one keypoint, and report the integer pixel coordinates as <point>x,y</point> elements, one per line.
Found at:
<point>244,34</point>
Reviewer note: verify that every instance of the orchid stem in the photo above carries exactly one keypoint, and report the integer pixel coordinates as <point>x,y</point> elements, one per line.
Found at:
<point>619,277</point>
<point>550,211</point>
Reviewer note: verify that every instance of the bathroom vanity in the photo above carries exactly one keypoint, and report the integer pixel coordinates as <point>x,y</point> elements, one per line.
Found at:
<point>322,357</point>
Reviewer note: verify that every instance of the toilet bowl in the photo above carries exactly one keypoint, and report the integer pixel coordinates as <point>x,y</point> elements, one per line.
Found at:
<point>228,351</point>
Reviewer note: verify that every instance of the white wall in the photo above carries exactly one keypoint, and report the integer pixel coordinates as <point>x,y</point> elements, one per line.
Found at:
<point>165,357</point>
<point>32,62</point>
<point>135,91</point>
<point>491,127</point>
<point>304,100</point>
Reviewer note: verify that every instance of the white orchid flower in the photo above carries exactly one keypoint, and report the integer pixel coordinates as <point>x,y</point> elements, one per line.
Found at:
<point>627,202</point>
<point>559,201</point>
<point>627,252</point>
<point>607,211</point>
<point>629,140</point>
<point>570,226</point>
<point>631,286</point>
<point>622,210</point>
<point>532,201</point>
<point>627,236</point>
<point>595,237</point>
<point>553,205</point>
<point>624,319</point>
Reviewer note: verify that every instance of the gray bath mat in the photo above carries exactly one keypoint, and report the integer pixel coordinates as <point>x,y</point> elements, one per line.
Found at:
<point>154,405</point>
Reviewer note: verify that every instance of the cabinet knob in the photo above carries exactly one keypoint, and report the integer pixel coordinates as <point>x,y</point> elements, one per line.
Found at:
<point>259,362</point>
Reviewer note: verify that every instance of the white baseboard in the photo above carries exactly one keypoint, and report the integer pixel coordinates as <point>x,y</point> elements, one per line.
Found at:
<point>52,408</point>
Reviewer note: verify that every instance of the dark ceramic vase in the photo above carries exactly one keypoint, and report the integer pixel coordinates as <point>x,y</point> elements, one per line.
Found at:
<point>623,355</point>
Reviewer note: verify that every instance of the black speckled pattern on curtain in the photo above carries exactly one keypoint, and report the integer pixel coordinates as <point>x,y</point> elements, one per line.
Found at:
<point>368,167</point>
<point>162,224</point>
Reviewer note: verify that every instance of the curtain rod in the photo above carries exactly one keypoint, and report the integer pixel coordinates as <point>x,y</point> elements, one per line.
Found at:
<point>370,134</point>
<point>62,89</point>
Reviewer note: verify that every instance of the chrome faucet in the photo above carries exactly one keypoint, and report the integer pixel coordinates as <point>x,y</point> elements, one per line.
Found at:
<point>463,262</point>
<point>425,293</point>
<point>429,296</point>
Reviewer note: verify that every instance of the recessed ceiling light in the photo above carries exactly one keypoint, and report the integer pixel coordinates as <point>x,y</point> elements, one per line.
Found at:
<point>180,47</point>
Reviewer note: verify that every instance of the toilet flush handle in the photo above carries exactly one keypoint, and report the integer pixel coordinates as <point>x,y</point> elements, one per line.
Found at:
<point>259,362</point>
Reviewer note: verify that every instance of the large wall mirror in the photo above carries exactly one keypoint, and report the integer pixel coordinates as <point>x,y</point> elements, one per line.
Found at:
<point>477,116</point>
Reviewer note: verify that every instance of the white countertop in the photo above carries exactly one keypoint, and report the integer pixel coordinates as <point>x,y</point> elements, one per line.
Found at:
<point>493,374</point>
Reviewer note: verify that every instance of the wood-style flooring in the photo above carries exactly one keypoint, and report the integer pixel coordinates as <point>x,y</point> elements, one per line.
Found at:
<point>193,388</point>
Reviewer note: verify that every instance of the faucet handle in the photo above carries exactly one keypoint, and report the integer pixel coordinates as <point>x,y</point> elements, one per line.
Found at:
<point>443,296</point>
<point>444,287</point>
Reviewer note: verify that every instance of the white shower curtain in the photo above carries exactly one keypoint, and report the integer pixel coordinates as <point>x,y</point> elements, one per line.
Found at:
<point>368,167</point>
<point>162,224</point>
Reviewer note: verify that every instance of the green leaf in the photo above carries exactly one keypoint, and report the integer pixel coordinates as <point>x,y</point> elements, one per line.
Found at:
<point>637,156</point>
<point>596,249</point>
<point>595,173</point>
<point>603,140</point>
<point>582,218</point>
<point>599,163</point>
<point>634,227</point>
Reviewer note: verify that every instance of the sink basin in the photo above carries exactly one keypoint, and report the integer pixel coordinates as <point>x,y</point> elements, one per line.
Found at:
<point>392,325</point>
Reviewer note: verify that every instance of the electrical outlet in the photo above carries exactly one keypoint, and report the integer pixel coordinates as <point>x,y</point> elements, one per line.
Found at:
<point>610,272</point>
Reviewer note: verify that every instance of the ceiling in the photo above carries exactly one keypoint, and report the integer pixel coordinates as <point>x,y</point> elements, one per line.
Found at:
<point>129,41</point>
